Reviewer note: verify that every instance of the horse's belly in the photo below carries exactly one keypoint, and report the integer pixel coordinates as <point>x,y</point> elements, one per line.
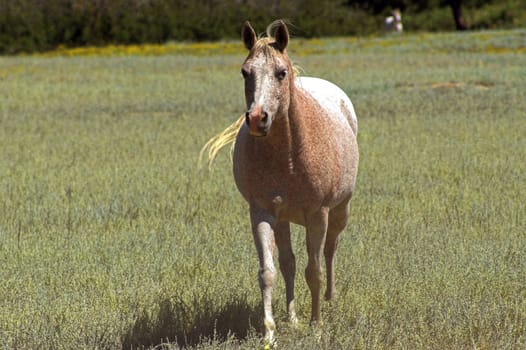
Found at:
<point>284,211</point>
<point>294,199</point>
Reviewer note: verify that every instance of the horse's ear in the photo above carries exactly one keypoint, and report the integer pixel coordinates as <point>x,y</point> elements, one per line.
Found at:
<point>282,36</point>
<point>249,35</point>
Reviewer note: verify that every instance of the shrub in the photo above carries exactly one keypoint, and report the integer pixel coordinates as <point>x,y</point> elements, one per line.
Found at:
<point>37,25</point>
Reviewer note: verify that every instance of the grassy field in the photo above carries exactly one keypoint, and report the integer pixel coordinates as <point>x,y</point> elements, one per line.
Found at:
<point>111,238</point>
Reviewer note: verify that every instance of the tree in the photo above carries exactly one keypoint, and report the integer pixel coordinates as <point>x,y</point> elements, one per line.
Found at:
<point>456,8</point>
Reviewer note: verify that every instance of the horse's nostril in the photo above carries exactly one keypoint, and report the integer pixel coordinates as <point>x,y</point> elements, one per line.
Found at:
<point>247,118</point>
<point>265,117</point>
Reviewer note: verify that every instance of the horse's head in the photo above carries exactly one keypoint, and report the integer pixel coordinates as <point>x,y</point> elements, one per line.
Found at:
<point>397,15</point>
<point>268,76</point>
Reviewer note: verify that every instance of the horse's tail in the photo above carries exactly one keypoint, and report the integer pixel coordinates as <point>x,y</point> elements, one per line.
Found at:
<point>214,145</point>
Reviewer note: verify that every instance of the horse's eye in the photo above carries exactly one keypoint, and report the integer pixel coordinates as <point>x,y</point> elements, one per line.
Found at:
<point>282,73</point>
<point>245,73</point>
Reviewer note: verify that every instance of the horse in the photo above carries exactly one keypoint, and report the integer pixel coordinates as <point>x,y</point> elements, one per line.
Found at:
<point>393,23</point>
<point>295,160</point>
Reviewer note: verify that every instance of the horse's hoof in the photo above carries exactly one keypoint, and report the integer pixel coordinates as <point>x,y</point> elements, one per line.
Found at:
<point>270,344</point>
<point>293,320</point>
<point>316,327</point>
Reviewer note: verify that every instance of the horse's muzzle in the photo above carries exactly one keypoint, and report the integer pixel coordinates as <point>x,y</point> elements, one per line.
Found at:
<point>258,122</point>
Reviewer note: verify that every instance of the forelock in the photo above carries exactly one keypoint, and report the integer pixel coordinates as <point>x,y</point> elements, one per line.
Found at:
<point>265,45</point>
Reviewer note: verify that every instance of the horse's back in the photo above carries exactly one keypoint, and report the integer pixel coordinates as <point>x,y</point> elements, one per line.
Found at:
<point>335,154</point>
<point>332,98</point>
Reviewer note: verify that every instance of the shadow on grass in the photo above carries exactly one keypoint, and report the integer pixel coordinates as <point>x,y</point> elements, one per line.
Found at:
<point>188,324</point>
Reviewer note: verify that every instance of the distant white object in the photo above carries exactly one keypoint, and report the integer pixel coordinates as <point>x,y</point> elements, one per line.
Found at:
<point>394,23</point>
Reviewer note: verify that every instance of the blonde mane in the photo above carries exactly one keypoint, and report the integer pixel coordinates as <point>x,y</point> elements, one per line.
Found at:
<point>217,142</point>
<point>228,135</point>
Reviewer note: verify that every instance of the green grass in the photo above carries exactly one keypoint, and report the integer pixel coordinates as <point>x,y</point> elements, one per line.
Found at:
<point>110,238</point>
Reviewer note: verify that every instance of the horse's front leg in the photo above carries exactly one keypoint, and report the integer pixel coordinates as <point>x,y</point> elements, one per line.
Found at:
<point>316,233</point>
<point>262,223</point>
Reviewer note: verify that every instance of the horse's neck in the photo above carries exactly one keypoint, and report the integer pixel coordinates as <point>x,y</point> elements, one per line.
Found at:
<point>293,127</point>
<point>302,115</point>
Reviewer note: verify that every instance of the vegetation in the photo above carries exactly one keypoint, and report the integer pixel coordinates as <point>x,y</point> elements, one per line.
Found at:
<point>110,237</point>
<point>34,25</point>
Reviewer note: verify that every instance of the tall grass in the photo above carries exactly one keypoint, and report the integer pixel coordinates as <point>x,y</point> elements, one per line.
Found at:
<point>110,237</point>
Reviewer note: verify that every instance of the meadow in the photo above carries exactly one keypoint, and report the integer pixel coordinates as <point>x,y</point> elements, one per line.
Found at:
<point>111,237</point>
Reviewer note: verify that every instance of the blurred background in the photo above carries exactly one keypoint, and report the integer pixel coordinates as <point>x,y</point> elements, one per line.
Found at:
<point>40,25</point>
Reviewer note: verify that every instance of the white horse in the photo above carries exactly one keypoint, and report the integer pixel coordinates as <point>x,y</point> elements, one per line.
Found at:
<point>393,23</point>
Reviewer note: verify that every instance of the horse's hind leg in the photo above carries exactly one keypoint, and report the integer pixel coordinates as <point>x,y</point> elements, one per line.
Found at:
<point>338,218</point>
<point>287,265</point>
<point>316,233</point>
